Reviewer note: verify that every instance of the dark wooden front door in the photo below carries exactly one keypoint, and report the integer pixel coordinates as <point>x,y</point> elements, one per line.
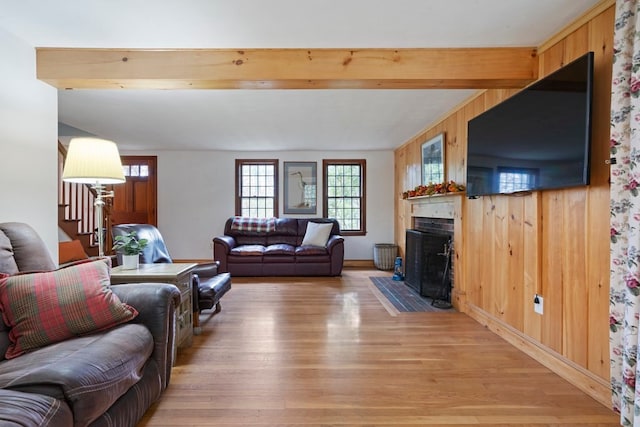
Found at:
<point>135,201</point>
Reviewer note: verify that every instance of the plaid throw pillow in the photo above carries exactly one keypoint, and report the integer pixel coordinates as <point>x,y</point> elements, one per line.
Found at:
<point>44,308</point>
<point>259,225</point>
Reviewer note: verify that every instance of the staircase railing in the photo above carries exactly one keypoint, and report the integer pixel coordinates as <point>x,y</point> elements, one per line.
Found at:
<point>76,212</point>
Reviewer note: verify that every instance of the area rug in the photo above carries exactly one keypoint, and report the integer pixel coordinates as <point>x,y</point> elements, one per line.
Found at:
<point>402,297</point>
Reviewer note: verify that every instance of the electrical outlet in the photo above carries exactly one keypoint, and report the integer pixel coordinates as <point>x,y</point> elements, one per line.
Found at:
<point>538,304</point>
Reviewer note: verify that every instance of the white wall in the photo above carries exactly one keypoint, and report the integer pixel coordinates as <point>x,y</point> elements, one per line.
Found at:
<point>28,142</point>
<point>196,196</point>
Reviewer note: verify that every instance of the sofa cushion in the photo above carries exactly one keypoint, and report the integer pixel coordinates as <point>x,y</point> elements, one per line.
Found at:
<point>248,250</point>
<point>32,410</point>
<point>22,249</point>
<point>7,261</point>
<point>44,308</point>
<point>317,234</point>
<point>286,227</point>
<point>305,251</point>
<point>212,288</point>
<point>276,239</point>
<point>89,372</point>
<point>280,249</point>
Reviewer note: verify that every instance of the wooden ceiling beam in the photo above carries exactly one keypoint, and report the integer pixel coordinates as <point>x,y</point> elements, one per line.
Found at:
<point>447,68</point>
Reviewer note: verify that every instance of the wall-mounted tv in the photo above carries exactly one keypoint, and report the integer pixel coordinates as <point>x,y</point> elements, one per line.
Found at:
<point>537,139</point>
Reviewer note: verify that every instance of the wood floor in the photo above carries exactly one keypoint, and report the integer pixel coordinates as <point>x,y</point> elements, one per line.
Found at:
<point>326,352</point>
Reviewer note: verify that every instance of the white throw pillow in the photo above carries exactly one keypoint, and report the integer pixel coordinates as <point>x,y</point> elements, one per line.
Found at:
<point>317,234</point>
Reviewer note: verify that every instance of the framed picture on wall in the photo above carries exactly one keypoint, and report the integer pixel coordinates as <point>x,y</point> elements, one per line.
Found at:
<point>433,160</point>
<point>300,187</point>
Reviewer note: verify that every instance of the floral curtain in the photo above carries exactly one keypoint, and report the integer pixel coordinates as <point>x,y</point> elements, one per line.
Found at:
<point>625,213</point>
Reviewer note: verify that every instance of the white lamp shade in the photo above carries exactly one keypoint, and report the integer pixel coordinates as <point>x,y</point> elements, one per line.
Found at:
<point>93,161</point>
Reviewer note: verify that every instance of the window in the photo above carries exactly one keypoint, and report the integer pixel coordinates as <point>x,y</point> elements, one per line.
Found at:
<point>257,188</point>
<point>135,170</point>
<point>512,180</point>
<point>344,194</point>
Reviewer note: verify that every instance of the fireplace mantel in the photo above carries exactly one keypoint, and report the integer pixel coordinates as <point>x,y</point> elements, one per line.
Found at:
<point>437,206</point>
<point>442,206</point>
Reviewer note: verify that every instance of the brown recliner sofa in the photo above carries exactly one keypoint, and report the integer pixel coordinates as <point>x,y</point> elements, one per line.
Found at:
<point>279,251</point>
<point>106,378</point>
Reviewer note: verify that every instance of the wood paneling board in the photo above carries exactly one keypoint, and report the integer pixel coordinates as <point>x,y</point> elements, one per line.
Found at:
<point>501,264</point>
<point>488,252</point>
<point>575,286</point>
<point>562,238</point>
<point>459,150</point>
<point>400,161</point>
<point>553,268</point>
<point>552,59</point>
<point>532,253</point>
<point>577,44</point>
<point>459,254</point>
<point>603,7</point>
<point>473,220</point>
<point>477,260</point>
<point>600,42</point>
<point>597,280</point>
<point>515,278</point>
<point>455,149</point>
<point>597,274</point>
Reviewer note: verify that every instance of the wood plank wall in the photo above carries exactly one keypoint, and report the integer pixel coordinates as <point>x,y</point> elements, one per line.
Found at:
<point>555,243</point>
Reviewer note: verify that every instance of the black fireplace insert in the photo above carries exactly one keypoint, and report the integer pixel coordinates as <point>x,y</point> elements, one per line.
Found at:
<point>428,264</point>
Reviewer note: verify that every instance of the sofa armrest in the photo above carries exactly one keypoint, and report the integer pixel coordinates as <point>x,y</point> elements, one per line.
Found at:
<point>222,246</point>
<point>207,269</point>
<point>334,241</point>
<point>156,304</point>
<point>226,242</point>
<point>335,247</point>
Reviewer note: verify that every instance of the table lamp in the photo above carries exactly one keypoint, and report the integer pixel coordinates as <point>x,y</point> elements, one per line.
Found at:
<point>95,162</point>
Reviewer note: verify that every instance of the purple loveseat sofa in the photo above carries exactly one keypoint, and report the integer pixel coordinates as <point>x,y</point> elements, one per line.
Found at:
<point>278,250</point>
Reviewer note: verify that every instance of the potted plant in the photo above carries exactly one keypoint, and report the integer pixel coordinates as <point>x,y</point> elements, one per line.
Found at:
<point>130,246</point>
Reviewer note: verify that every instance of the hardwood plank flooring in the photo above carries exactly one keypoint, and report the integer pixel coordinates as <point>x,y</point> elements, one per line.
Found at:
<point>325,352</point>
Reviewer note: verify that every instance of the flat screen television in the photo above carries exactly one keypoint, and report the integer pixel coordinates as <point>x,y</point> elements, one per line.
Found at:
<point>538,139</point>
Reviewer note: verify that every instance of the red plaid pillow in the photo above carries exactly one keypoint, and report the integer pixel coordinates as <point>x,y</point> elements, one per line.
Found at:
<point>259,225</point>
<point>44,308</point>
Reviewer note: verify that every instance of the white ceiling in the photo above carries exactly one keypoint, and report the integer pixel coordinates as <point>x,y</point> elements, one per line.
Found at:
<point>269,120</point>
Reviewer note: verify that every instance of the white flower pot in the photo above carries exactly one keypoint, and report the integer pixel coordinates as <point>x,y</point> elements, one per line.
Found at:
<point>130,262</point>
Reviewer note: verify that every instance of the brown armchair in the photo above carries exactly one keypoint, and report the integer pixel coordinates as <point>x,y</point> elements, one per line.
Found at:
<point>208,285</point>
